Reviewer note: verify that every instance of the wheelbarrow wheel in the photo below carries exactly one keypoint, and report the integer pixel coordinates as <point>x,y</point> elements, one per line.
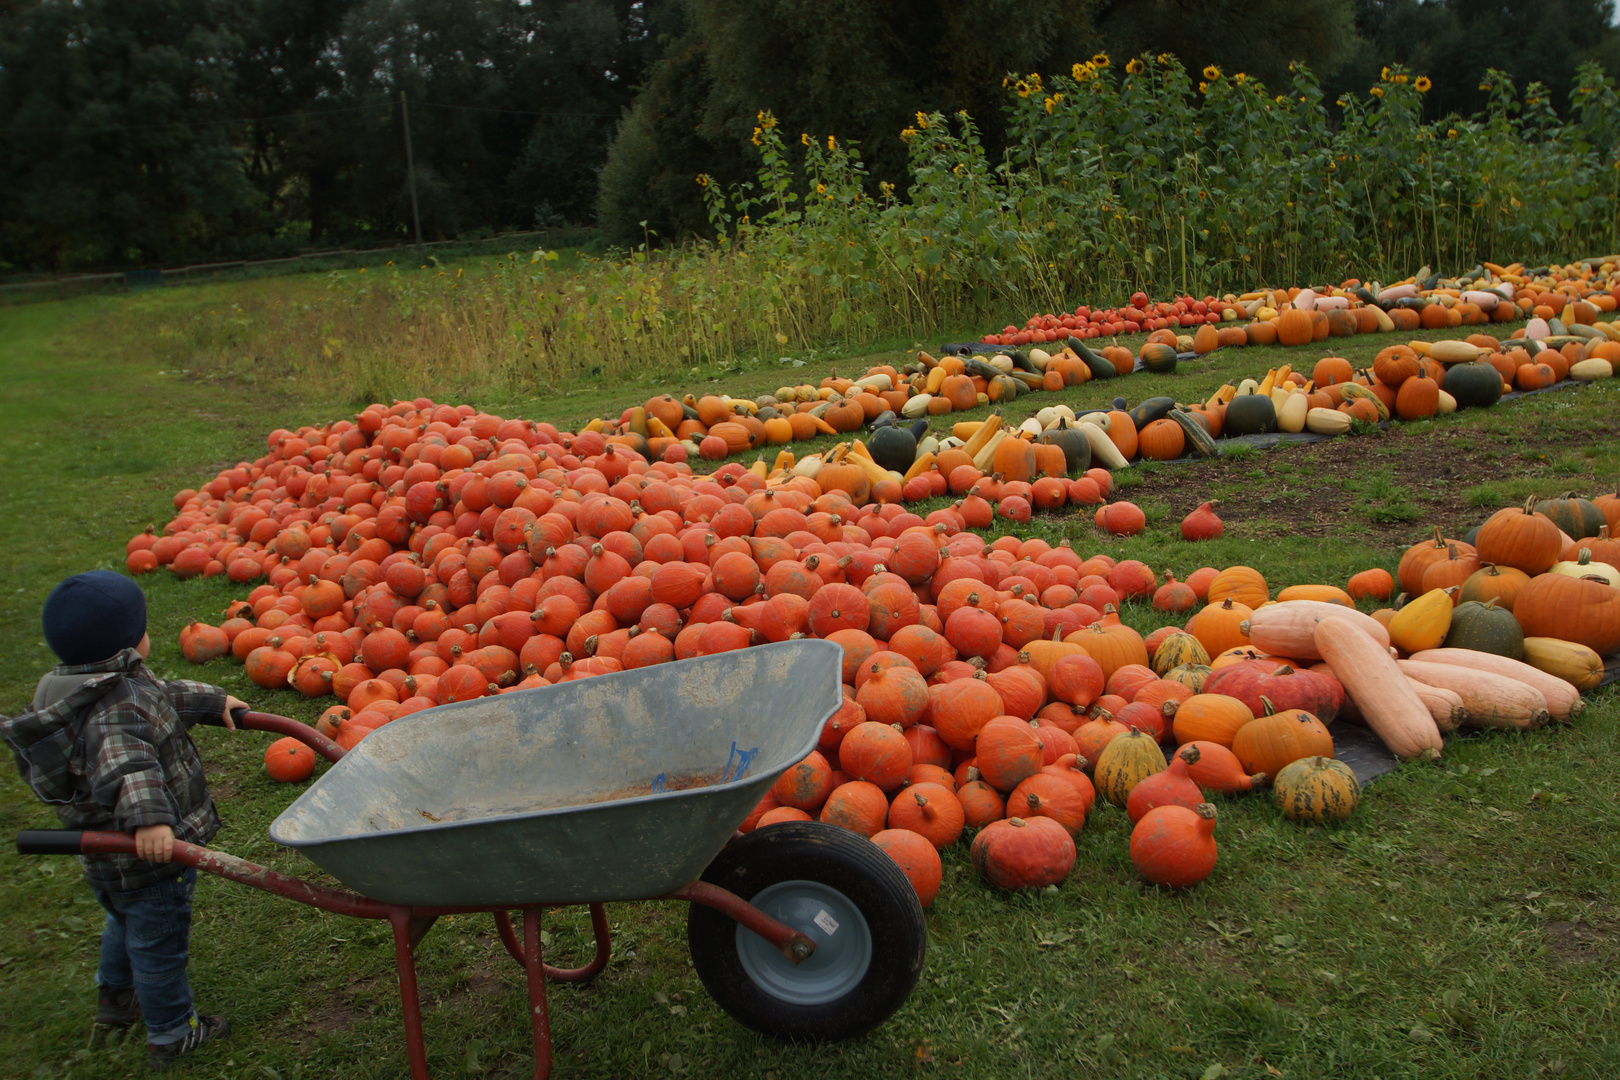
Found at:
<point>842,892</point>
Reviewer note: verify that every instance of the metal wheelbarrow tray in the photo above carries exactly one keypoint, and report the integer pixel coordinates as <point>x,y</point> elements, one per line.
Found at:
<point>619,787</point>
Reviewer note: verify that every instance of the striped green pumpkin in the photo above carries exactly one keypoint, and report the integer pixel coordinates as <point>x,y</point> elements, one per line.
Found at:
<point>1316,790</point>
<point>1176,650</point>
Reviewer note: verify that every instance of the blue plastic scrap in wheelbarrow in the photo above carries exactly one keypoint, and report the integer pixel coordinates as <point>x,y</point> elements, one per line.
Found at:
<point>616,787</point>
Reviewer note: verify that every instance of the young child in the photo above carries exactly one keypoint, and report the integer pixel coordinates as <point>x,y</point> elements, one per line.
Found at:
<point>106,743</point>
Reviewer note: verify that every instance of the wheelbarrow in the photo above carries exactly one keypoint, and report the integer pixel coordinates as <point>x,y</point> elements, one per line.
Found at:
<point>627,786</point>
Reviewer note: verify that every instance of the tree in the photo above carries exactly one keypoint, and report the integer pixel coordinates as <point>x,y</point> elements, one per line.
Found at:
<point>1454,44</point>
<point>858,69</point>
<point>1259,38</point>
<point>118,148</point>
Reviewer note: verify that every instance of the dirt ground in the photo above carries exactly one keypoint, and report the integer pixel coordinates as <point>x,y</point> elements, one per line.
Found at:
<point>1393,485</point>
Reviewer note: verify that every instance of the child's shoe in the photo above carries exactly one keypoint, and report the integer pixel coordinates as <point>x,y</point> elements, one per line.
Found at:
<point>203,1029</point>
<point>117,1008</point>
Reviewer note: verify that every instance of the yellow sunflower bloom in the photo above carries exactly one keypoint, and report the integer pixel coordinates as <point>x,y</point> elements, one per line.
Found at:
<point>703,180</point>
<point>1451,133</point>
<point>1377,91</point>
<point>1134,67</point>
<point>1203,88</point>
<point>1423,84</point>
<point>1384,74</point>
<point>1212,73</point>
<point>832,144</point>
<point>821,189</point>
<point>1240,78</point>
<point>805,138</point>
<point>1402,79</point>
<point>757,141</point>
<point>1078,73</point>
<point>922,121</point>
<point>1101,60</point>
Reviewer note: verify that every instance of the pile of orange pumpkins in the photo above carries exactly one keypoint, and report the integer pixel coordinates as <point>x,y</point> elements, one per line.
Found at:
<point>423,553</point>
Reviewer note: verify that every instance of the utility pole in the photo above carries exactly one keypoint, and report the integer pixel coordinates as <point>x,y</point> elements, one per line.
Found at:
<point>410,168</point>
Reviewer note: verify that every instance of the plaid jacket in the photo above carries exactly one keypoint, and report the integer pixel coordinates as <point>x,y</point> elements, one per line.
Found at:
<point>106,744</point>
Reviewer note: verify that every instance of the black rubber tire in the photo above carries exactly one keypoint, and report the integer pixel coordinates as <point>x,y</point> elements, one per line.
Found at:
<point>835,858</point>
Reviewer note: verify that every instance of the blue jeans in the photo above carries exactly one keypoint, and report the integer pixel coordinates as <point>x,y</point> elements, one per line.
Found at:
<point>145,945</point>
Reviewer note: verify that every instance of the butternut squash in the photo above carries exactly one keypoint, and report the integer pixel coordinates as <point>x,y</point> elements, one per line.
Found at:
<point>1568,660</point>
<point>1489,700</point>
<point>1383,694</point>
<point>1563,700</point>
<point>1288,628</point>
<point>1422,623</point>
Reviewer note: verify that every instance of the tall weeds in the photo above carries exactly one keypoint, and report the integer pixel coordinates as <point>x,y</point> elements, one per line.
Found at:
<point>1149,177</point>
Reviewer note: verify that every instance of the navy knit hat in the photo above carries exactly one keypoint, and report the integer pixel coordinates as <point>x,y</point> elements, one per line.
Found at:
<point>94,616</point>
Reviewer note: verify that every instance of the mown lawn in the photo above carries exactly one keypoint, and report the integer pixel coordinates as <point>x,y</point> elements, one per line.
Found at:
<point>1463,924</point>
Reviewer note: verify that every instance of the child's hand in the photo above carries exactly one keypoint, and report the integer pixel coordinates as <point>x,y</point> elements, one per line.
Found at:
<point>154,843</point>
<point>233,703</point>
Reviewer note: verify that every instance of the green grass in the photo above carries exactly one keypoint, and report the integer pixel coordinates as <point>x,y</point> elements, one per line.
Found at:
<point>1463,923</point>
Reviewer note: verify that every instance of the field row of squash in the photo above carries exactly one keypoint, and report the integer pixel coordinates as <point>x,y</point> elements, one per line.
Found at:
<point>1487,293</point>
<point>1564,309</point>
<point>423,553</point>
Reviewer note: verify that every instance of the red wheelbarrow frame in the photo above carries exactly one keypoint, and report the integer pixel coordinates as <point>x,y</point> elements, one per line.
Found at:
<point>411,924</point>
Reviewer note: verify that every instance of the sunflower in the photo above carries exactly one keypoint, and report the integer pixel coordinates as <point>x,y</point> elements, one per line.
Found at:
<point>1203,88</point>
<point>1134,67</point>
<point>1100,60</point>
<point>1423,84</point>
<point>1451,133</point>
<point>1384,75</point>
<point>832,144</point>
<point>703,180</point>
<point>805,138</point>
<point>1377,91</point>
<point>922,121</point>
<point>757,141</point>
<point>1240,78</point>
<point>1212,73</point>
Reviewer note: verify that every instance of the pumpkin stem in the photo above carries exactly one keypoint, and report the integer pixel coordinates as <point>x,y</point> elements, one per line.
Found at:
<point>1205,810</point>
<point>1189,754</point>
<point>1270,709</point>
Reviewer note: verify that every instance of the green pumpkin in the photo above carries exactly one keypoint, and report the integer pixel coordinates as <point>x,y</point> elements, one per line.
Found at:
<point>1475,385</point>
<point>1158,358</point>
<point>1076,447</point>
<point>893,447</point>
<point>1154,408</point>
<point>1251,414</point>
<point>1316,790</point>
<point>1578,517</point>
<point>1179,650</point>
<point>1485,628</point>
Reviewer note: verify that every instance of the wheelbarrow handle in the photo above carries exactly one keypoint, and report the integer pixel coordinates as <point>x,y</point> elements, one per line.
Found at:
<point>52,842</point>
<point>286,725</point>
<point>209,861</point>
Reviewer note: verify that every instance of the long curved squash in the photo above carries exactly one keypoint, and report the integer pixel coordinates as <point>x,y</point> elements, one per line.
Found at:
<point>1445,706</point>
<point>1103,450</point>
<point>1288,628</point>
<point>1494,701</point>
<point>1563,700</point>
<point>1385,697</point>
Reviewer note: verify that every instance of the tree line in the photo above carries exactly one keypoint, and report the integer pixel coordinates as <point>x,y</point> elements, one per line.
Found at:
<point>140,134</point>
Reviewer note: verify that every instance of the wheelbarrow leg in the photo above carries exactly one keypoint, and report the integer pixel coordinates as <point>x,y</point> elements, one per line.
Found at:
<point>599,929</point>
<point>405,937</point>
<point>534,967</point>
